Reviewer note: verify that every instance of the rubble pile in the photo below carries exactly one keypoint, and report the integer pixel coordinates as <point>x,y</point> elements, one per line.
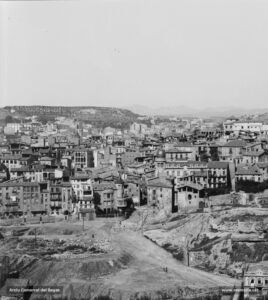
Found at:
<point>61,249</point>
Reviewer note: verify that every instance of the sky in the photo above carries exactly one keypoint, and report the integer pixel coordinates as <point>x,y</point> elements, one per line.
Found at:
<point>197,53</point>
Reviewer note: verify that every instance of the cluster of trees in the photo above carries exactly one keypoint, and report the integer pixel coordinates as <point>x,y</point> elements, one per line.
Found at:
<point>10,119</point>
<point>46,118</point>
<point>218,191</point>
<point>249,186</point>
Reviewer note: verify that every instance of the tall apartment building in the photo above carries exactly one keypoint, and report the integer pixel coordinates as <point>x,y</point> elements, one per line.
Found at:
<point>83,158</point>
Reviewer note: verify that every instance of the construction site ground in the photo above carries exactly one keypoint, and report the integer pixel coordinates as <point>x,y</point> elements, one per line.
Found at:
<point>132,266</point>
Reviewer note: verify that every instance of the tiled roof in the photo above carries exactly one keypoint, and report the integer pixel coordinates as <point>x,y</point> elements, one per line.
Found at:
<point>46,158</point>
<point>108,174</point>
<point>24,158</point>
<point>80,177</point>
<point>138,165</point>
<point>260,266</point>
<point>254,144</point>
<point>9,183</point>
<point>184,144</point>
<point>190,184</point>
<point>218,165</point>
<point>262,164</point>
<point>253,153</point>
<point>38,167</point>
<point>10,157</point>
<point>254,170</point>
<point>235,143</point>
<point>22,169</point>
<point>105,186</point>
<point>160,182</point>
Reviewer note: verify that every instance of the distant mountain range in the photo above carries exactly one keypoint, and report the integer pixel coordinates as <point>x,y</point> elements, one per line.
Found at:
<point>182,110</point>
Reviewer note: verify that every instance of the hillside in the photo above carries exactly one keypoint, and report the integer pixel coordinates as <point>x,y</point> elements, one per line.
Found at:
<point>117,264</point>
<point>97,116</point>
<point>3,114</point>
<point>220,242</point>
<point>188,111</point>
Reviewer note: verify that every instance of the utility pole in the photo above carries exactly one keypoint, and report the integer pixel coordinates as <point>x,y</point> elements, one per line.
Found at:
<point>35,237</point>
<point>83,221</point>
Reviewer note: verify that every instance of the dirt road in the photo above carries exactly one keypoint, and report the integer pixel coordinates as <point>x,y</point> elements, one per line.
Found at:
<point>147,271</point>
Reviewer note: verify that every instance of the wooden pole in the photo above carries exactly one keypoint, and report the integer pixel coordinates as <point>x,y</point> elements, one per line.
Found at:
<point>83,222</point>
<point>35,237</point>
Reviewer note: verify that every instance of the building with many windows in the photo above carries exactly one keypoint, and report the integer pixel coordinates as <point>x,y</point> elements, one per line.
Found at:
<point>21,198</point>
<point>83,158</point>
<point>256,280</point>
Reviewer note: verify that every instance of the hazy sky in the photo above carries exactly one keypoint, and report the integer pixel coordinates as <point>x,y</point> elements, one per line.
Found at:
<point>121,52</point>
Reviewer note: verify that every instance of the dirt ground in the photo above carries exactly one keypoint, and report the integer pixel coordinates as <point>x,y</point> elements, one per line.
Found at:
<point>133,266</point>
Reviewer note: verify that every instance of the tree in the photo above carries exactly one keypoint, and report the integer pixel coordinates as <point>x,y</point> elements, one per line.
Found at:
<point>204,156</point>
<point>96,199</point>
<point>9,119</point>
<point>250,186</point>
<point>130,207</point>
<point>214,154</point>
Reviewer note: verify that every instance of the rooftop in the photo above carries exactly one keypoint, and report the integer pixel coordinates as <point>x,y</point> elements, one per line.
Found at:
<point>235,143</point>
<point>256,267</point>
<point>14,184</point>
<point>190,184</point>
<point>105,186</point>
<point>253,170</point>
<point>160,182</point>
<point>253,153</point>
<point>46,158</point>
<point>218,165</point>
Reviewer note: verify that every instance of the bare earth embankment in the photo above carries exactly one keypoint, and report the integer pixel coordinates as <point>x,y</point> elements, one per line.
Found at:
<point>119,264</point>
